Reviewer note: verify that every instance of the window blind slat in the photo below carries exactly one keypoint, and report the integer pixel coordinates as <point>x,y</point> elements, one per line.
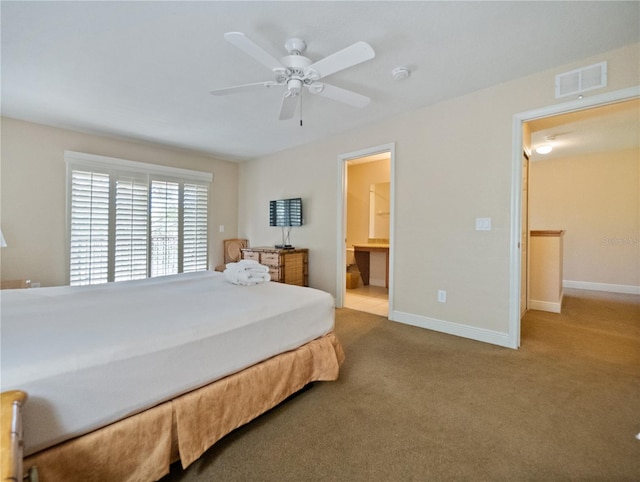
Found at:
<point>195,227</point>
<point>132,198</point>
<point>89,227</point>
<point>164,227</point>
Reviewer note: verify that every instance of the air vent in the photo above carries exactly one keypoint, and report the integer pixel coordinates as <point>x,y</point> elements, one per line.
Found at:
<point>581,80</point>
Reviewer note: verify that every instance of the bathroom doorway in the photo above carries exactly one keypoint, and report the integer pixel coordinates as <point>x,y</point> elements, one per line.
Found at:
<point>367,231</point>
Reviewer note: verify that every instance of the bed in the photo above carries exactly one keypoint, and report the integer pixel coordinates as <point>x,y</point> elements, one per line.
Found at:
<point>124,378</point>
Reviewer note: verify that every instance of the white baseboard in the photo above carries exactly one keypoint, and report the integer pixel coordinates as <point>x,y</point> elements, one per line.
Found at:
<point>612,288</point>
<point>553,307</point>
<point>457,329</point>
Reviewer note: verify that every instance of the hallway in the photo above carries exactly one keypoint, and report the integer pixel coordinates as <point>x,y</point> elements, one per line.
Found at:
<point>596,325</point>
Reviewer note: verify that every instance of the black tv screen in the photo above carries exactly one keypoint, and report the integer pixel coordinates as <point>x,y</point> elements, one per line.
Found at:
<point>285,212</point>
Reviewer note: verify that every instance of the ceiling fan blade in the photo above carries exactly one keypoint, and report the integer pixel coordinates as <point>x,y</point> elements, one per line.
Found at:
<point>341,95</point>
<point>249,47</point>
<point>353,55</point>
<point>289,104</point>
<point>243,88</point>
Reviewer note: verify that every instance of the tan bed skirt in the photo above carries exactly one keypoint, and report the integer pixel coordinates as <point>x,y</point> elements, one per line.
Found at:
<point>141,447</point>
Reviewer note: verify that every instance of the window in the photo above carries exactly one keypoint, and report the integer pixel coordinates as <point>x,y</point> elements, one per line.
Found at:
<point>130,220</point>
<point>164,227</point>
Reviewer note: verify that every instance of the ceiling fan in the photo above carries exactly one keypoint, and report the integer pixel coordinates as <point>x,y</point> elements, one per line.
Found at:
<point>295,71</point>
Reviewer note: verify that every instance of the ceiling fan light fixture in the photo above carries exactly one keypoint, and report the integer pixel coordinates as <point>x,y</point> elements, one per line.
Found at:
<point>294,86</point>
<point>280,75</point>
<point>311,75</point>
<point>316,88</point>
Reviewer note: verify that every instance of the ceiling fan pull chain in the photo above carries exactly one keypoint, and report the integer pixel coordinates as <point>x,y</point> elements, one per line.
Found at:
<point>300,109</point>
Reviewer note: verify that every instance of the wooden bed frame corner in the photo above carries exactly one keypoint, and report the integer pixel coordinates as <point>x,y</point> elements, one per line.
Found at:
<point>11,442</point>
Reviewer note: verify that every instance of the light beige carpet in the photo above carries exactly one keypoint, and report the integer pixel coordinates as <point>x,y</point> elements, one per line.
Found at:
<point>413,404</point>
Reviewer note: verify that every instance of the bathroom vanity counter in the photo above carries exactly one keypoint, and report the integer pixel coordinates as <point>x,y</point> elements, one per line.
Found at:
<point>372,246</point>
<point>362,253</point>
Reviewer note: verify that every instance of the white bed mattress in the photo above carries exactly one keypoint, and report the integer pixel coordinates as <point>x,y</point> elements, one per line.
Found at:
<point>88,356</point>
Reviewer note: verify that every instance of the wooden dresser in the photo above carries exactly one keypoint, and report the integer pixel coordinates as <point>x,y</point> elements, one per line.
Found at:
<point>290,266</point>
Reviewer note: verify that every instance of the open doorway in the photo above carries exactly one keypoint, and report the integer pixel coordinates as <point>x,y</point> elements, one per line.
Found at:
<point>366,235</point>
<point>561,119</point>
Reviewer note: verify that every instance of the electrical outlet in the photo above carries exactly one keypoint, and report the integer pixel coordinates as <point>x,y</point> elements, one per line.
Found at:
<point>442,296</point>
<point>221,228</point>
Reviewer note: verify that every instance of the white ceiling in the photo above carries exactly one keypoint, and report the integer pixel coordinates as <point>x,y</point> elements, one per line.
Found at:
<point>143,70</point>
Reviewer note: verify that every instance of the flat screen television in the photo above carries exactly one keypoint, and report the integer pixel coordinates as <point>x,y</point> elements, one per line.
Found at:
<point>285,212</point>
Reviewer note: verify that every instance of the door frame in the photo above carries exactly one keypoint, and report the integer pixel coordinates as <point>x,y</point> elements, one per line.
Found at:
<point>524,238</point>
<point>516,188</point>
<point>341,246</point>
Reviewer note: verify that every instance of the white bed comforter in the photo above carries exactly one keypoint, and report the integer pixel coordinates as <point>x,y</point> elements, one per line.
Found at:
<point>88,356</point>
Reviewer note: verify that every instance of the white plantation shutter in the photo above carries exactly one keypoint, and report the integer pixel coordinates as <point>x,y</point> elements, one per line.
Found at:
<point>131,236</point>
<point>195,227</point>
<point>89,236</point>
<point>165,211</point>
<point>130,220</point>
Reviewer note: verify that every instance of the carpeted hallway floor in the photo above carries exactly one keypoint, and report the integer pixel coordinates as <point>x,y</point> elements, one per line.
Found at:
<point>413,404</point>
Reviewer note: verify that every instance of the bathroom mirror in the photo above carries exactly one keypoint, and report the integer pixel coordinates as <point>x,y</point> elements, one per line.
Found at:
<point>379,210</point>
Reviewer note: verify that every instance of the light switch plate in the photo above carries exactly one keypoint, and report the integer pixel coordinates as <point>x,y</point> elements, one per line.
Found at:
<point>483,224</point>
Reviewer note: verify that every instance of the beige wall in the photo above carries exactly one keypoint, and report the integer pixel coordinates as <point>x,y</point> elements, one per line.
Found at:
<point>33,194</point>
<point>596,199</point>
<point>359,179</point>
<point>453,164</point>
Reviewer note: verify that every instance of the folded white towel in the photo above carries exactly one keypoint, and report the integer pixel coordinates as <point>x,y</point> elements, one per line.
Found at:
<point>260,269</point>
<point>247,277</point>
<point>248,262</point>
<point>233,276</point>
<point>247,273</point>
<point>243,278</point>
<point>250,268</point>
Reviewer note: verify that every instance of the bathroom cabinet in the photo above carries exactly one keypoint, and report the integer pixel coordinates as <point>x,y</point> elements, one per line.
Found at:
<point>363,259</point>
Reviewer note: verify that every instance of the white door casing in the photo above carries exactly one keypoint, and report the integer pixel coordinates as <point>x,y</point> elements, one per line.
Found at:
<point>342,218</point>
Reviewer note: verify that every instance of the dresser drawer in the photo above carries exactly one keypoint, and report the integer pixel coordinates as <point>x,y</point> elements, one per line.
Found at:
<point>274,273</point>
<point>251,255</point>
<point>270,259</point>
